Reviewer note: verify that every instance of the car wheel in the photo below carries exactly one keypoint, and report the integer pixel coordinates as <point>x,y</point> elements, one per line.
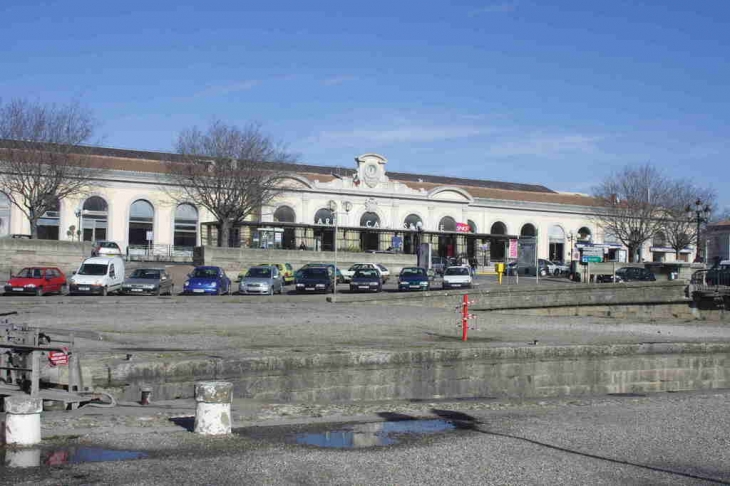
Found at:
<point>64,290</point>
<point>39,291</point>
<point>104,292</point>
<point>158,292</point>
<point>271,290</point>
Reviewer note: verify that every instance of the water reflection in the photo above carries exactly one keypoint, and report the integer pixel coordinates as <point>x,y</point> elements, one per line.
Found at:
<point>39,456</point>
<point>373,434</point>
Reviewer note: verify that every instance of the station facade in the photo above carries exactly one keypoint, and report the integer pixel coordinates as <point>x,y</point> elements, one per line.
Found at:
<point>362,207</point>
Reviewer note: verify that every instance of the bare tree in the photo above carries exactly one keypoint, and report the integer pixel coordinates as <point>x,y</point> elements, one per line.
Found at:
<point>228,170</point>
<point>42,159</point>
<point>632,202</point>
<point>680,222</point>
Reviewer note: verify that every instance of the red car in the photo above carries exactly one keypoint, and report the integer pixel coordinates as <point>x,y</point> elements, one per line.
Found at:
<point>37,281</point>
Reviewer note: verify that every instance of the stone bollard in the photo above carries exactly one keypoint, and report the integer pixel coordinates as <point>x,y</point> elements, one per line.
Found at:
<point>23,420</point>
<point>213,410</point>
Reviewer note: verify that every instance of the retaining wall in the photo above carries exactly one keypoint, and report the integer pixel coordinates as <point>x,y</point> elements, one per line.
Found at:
<point>18,253</point>
<point>233,260</point>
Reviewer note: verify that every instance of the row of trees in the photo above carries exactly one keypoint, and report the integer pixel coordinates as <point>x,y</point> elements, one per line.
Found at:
<point>639,203</point>
<point>233,172</point>
<point>45,156</point>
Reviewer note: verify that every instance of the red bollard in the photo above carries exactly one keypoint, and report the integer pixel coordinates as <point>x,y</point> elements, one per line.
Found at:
<point>465,318</point>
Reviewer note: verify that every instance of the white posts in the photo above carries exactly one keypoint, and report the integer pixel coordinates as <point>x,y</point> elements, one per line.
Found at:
<point>213,410</point>
<point>23,420</point>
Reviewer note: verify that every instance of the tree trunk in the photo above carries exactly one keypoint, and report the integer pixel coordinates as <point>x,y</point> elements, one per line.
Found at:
<point>224,233</point>
<point>34,229</point>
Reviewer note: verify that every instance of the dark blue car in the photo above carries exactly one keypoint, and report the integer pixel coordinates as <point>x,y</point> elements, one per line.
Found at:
<point>207,280</point>
<point>413,278</point>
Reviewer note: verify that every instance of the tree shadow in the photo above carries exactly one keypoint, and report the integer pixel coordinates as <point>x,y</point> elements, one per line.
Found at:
<point>187,423</point>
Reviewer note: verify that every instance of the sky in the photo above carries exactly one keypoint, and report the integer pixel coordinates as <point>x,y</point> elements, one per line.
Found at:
<point>560,93</point>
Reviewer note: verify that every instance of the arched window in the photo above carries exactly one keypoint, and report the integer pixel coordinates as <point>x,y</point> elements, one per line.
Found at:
<point>584,234</point>
<point>659,240</point>
<point>325,217</point>
<point>411,222</point>
<point>186,225</point>
<point>324,238</point>
<point>556,237</point>
<point>472,226</point>
<point>94,219</point>
<point>285,214</point>
<point>141,221</point>
<point>528,230</point>
<point>498,228</point>
<point>49,222</point>
<point>370,220</point>
<point>447,223</point>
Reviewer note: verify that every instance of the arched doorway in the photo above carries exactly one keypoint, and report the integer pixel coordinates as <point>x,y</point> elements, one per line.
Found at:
<point>369,238</point>
<point>94,216</point>
<point>324,234</point>
<point>496,247</point>
<point>584,235</point>
<point>528,230</point>
<point>141,221</point>
<point>471,240</point>
<point>186,225</point>
<point>412,223</point>
<point>48,223</point>
<point>447,242</point>
<point>556,238</point>
<point>285,214</point>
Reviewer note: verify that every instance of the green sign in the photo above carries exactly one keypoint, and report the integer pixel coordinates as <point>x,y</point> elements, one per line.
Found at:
<point>592,259</point>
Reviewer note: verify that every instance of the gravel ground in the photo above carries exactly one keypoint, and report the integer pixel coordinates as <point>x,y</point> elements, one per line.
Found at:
<point>658,439</point>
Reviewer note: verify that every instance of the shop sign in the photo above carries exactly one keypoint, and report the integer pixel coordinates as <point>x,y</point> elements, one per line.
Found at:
<point>462,228</point>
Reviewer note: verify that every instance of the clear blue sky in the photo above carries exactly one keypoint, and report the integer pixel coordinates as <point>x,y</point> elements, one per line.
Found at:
<point>553,92</point>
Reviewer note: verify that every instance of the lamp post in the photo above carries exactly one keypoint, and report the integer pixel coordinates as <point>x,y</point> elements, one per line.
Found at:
<point>347,206</point>
<point>419,232</point>
<point>78,218</point>
<point>701,215</point>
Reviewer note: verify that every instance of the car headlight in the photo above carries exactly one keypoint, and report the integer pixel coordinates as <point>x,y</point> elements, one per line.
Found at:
<point>213,284</point>
<point>300,285</point>
<point>424,283</point>
<point>187,282</point>
<point>126,286</point>
<point>30,286</point>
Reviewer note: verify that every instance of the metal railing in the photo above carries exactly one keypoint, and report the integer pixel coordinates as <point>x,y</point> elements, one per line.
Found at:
<point>159,253</point>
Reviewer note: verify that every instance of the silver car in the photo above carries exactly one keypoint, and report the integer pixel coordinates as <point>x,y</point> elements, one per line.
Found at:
<point>264,279</point>
<point>148,281</point>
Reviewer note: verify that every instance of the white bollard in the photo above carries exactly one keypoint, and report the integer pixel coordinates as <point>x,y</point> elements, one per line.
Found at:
<point>213,410</point>
<point>23,420</point>
<point>22,458</point>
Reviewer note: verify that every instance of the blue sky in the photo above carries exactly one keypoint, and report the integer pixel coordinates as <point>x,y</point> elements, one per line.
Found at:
<point>554,92</point>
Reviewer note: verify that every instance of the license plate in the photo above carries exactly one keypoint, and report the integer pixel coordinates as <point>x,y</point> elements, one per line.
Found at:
<point>308,288</point>
<point>83,288</point>
<point>415,286</point>
<point>455,285</point>
<point>18,290</point>
<point>363,287</point>
<point>198,291</point>
<point>136,290</point>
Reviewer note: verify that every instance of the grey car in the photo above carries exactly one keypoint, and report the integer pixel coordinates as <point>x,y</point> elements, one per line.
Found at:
<point>264,279</point>
<point>148,281</point>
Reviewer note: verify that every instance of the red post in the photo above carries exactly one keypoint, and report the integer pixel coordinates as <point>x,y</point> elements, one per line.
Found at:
<point>465,318</point>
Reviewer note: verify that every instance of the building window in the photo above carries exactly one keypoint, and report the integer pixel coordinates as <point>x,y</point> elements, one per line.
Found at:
<point>285,214</point>
<point>49,222</point>
<point>584,234</point>
<point>141,221</point>
<point>94,219</point>
<point>528,230</point>
<point>498,228</point>
<point>186,225</point>
<point>447,223</point>
<point>556,237</point>
<point>324,236</point>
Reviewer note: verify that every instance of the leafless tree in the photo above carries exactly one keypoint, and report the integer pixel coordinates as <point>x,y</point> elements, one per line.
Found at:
<point>42,159</point>
<point>680,221</point>
<point>228,170</point>
<point>631,205</point>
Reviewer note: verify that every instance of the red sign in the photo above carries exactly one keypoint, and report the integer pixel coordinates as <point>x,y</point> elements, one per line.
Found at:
<point>462,228</point>
<point>57,358</point>
<point>512,249</point>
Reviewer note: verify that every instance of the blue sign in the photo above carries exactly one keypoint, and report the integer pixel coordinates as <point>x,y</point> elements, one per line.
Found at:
<point>396,242</point>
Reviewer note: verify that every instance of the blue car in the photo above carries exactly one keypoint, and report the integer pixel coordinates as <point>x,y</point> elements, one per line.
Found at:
<point>413,278</point>
<point>207,280</point>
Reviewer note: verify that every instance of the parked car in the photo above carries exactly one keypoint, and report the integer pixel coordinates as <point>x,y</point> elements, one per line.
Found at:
<point>331,266</point>
<point>98,275</point>
<point>439,264</point>
<point>207,280</point>
<point>285,270</point>
<point>456,277</point>
<point>105,248</point>
<point>719,274</point>
<point>315,279</point>
<point>37,281</point>
<point>347,274</point>
<point>148,281</point>
<point>366,279</point>
<point>560,269</point>
<point>628,274</point>
<point>413,278</point>
<point>263,279</point>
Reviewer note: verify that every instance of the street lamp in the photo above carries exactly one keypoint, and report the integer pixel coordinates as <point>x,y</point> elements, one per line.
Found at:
<point>347,206</point>
<point>701,215</point>
<point>78,217</point>
<point>419,233</point>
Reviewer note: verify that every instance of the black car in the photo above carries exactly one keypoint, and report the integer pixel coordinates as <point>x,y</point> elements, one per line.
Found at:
<point>366,280</point>
<point>413,278</point>
<point>315,279</point>
<point>634,274</point>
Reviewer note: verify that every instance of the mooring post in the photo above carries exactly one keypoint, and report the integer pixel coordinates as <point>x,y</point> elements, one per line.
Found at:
<point>213,410</point>
<point>23,420</point>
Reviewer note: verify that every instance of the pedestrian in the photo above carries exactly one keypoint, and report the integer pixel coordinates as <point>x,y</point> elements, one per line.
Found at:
<point>302,246</point>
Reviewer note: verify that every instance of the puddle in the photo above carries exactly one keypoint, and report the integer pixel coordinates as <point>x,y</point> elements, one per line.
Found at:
<point>36,457</point>
<point>373,434</point>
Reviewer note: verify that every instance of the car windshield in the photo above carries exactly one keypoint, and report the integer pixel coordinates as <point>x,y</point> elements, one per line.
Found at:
<point>108,244</point>
<point>409,272</point>
<point>259,272</point>
<point>457,271</point>
<point>31,273</point>
<point>92,269</point>
<point>358,266</point>
<point>205,273</point>
<point>317,272</point>
<point>366,273</point>
<point>142,273</point>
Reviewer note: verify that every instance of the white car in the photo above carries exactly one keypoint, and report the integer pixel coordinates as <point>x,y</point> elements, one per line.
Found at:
<point>384,273</point>
<point>456,278</point>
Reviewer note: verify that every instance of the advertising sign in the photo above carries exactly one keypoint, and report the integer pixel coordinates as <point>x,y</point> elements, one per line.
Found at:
<point>149,236</point>
<point>512,249</point>
<point>396,242</point>
<point>462,227</point>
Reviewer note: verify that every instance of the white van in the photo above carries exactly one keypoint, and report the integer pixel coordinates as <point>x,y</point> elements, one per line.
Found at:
<point>98,275</point>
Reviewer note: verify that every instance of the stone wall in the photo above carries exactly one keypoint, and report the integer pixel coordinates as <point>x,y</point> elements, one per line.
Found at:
<point>233,260</point>
<point>18,253</point>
